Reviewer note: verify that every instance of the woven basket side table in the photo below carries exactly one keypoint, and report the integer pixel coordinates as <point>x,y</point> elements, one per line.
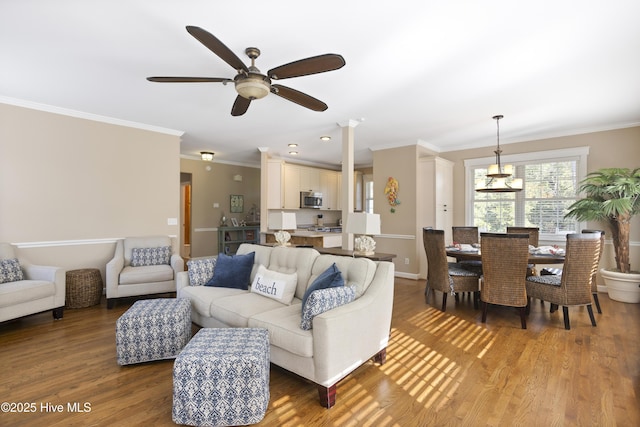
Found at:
<point>83,288</point>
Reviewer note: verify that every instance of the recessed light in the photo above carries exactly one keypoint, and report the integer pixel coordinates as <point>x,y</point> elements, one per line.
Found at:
<point>293,145</point>
<point>293,153</point>
<point>325,138</point>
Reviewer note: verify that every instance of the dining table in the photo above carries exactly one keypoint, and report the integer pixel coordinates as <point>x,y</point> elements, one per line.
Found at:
<point>477,256</point>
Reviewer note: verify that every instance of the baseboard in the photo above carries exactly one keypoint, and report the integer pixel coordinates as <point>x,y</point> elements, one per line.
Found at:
<point>403,275</point>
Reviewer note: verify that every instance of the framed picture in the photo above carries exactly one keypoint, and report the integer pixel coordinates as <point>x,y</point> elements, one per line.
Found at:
<point>234,222</point>
<point>237,203</point>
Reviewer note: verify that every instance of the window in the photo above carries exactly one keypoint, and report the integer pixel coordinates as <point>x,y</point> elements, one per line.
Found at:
<point>551,180</point>
<point>368,193</point>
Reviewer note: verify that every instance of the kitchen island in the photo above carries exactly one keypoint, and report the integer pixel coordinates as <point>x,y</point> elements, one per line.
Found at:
<point>318,239</point>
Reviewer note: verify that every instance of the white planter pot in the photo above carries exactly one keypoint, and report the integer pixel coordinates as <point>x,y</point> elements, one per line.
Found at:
<point>623,287</point>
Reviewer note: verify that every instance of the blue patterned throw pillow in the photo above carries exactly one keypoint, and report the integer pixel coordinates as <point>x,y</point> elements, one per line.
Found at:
<point>200,270</point>
<point>232,271</point>
<point>324,300</point>
<point>150,256</point>
<point>329,278</point>
<point>10,270</point>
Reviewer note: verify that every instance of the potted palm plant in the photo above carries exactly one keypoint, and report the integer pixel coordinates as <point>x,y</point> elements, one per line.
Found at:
<point>613,196</point>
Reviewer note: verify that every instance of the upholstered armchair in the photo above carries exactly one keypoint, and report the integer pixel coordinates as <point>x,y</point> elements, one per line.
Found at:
<point>143,266</point>
<point>28,289</point>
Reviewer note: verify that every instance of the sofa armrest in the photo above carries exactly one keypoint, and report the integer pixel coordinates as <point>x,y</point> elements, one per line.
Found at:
<point>177,263</point>
<point>57,275</point>
<point>182,281</point>
<point>113,269</point>
<point>347,336</point>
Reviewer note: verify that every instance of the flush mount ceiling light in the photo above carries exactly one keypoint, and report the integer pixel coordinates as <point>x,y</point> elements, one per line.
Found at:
<point>325,138</point>
<point>207,156</point>
<point>498,175</point>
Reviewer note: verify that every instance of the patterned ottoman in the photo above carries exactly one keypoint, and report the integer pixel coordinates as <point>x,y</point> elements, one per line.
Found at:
<point>221,378</point>
<point>153,329</point>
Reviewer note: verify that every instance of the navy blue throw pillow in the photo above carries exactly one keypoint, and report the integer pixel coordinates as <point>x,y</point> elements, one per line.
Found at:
<point>330,278</point>
<point>232,271</point>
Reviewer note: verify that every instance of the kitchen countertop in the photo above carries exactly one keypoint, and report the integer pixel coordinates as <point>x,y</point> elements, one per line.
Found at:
<point>306,233</point>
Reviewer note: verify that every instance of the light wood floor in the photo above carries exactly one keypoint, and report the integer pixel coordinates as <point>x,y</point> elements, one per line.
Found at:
<point>442,369</point>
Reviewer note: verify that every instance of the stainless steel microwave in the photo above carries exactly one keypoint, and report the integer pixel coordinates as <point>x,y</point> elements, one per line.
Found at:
<point>311,200</point>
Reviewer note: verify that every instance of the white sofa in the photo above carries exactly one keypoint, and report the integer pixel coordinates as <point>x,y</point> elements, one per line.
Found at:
<point>126,280</point>
<point>42,289</point>
<point>340,340</point>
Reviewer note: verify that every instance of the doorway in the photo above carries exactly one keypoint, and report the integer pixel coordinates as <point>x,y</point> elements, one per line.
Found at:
<point>185,214</point>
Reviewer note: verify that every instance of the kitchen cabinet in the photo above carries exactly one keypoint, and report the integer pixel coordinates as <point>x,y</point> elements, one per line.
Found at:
<point>309,179</point>
<point>291,187</point>
<point>329,187</point>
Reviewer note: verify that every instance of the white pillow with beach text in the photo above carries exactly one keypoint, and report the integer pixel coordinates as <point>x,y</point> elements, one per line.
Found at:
<point>278,286</point>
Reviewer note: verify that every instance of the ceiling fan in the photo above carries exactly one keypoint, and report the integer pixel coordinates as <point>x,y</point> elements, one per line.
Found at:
<point>250,83</point>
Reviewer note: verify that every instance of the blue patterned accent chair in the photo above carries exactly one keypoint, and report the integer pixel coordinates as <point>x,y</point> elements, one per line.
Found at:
<point>153,329</point>
<point>221,378</point>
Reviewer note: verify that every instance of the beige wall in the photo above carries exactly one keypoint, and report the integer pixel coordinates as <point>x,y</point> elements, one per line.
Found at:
<point>69,186</point>
<point>398,228</point>
<point>616,148</point>
<point>213,183</point>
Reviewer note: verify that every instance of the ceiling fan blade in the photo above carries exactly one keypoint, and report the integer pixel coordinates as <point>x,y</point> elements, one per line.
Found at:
<point>240,106</point>
<point>217,47</point>
<point>304,67</point>
<point>299,98</point>
<point>189,79</point>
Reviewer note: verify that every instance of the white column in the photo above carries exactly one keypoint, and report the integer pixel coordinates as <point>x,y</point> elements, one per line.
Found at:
<point>348,143</point>
<point>264,191</point>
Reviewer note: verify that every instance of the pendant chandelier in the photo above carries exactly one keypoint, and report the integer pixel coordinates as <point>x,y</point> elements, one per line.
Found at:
<point>498,175</point>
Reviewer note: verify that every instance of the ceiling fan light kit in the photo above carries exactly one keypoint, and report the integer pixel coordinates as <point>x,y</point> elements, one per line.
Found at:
<point>250,83</point>
<point>498,174</point>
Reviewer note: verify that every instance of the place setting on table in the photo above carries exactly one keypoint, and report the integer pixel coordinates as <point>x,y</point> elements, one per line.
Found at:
<point>537,255</point>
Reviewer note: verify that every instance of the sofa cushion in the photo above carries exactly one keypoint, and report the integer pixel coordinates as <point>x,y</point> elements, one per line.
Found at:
<point>324,300</point>
<point>283,325</point>
<point>12,293</point>
<point>232,271</point>
<point>10,270</point>
<point>150,256</point>
<point>298,260</point>
<point>202,296</point>
<point>200,270</point>
<point>358,272</point>
<point>149,273</point>
<point>271,284</point>
<point>236,310</point>
<point>330,278</point>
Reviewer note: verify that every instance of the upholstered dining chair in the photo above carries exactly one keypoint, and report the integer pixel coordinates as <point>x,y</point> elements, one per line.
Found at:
<point>504,270</point>
<point>534,239</point>
<point>444,276</point>
<point>573,286</point>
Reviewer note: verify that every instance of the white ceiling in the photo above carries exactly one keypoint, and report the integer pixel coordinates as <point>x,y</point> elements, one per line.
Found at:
<point>427,72</point>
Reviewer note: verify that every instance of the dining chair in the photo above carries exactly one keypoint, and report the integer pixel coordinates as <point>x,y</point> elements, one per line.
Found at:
<point>504,270</point>
<point>469,236</point>
<point>573,286</point>
<point>594,282</point>
<point>534,238</point>
<point>446,277</point>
